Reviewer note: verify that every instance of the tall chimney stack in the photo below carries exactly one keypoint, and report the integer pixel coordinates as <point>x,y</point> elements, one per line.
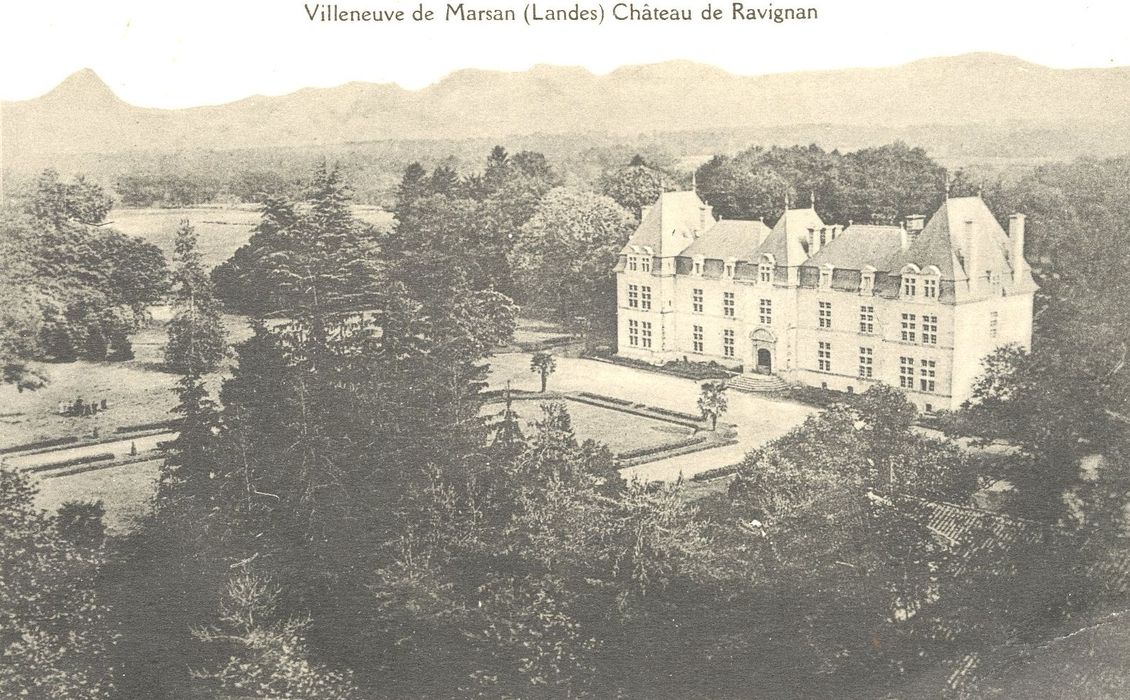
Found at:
<point>972,255</point>
<point>1016,243</point>
<point>904,238</point>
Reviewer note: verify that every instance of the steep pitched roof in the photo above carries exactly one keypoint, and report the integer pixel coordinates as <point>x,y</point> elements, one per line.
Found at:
<point>787,242</point>
<point>729,239</point>
<point>943,241</point>
<point>859,246</point>
<point>676,217</point>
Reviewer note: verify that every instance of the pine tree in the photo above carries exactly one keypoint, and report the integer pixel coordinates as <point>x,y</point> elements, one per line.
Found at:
<point>197,342</point>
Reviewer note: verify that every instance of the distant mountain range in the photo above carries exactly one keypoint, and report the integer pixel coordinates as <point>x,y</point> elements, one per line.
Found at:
<point>82,114</point>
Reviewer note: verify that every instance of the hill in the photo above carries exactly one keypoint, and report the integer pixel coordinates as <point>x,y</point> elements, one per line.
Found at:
<point>82,115</point>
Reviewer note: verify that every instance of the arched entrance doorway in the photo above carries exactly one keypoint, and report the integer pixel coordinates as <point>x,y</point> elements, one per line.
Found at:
<point>764,361</point>
<point>764,345</point>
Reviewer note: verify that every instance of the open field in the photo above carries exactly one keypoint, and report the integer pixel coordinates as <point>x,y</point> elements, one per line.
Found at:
<point>220,229</point>
<point>126,491</point>
<point>136,391</point>
<point>619,430</point>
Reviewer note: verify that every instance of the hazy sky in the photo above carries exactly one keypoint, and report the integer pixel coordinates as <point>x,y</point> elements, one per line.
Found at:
<point>182,53</point>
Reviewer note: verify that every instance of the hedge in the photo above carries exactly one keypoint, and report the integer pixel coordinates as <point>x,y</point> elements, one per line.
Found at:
<point>53,442</point>
<point>100,457</point>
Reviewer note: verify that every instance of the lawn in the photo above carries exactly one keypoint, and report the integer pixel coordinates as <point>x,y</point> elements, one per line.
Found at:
<point>619,430</point>
<point>136,391</point>
<point>220,230</point>
<point>126,492</point>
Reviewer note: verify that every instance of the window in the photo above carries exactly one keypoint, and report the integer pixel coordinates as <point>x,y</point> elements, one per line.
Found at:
<point>696,343</point>
<point>633,296</point>
<point>866,363</point>
<point>824,357</point>
<point>696,300</point>
<point>728,304</point>
<point>909,324</point>
<point>867,319</point>
<point>825,279</point>
<point>927,375</point>
<point>909,285</point>
<point>633,332</point>
<point>728,342</point>
<point>729,269</point>
<point>645,298</point>
<point>645,264</point>
<point>765,312</point>
<point>632,265</point>
<point>825,310</point>
<point>930,330</point>
<point>698,267</point>
<point>906,372</point>
<point>646,335</point>
<point>994,319</point>
<point>765,272</point>
<point>930,288</point>
<point>867,282</point>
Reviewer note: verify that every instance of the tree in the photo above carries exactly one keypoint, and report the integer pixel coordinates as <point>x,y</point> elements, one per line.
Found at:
<point>82,287</point>
<point>197,342</point>
<point>712,402</point>
<point>268,656</point>
<point>54,635</point>
<point>565,254</point>
<point>545,364</point>
<point>635,186</point>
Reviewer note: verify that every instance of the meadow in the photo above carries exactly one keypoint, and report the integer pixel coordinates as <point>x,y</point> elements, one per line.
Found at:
<point>220,229</point>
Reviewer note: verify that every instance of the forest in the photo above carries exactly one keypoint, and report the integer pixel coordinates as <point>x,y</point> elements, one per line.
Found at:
<point>341,520</point>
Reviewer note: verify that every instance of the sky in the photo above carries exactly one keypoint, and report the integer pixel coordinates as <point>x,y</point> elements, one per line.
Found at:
<point>179,53</point>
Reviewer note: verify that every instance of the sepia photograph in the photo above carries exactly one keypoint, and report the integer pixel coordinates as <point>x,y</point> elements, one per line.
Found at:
<point>691,351</point>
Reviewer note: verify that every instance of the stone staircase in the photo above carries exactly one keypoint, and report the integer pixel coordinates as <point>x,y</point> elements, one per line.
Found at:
<point>756,383</point>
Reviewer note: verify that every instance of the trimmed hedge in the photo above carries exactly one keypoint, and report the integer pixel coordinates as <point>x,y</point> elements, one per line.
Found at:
<point>667,447</point>
<point>53,442</point>
<point>147,426</point>
<point>100,457</point>
<point>715,473</point>
<point>609,399</point>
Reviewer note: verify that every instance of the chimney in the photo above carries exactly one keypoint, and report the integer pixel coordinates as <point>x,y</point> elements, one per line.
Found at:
<point>972,255</point>
<point>1016,239</point>
<point>705,214</point>
<point>904,238</point>
<point>915,223</point>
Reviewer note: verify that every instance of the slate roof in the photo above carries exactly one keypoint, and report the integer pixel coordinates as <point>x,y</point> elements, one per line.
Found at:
<point>729,239</point>
<point>678,214</point>
<point>943,242</point>
<point>859,246</point>
<point>788,241</point>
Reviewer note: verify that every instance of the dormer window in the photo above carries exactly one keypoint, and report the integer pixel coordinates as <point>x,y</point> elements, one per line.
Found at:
<point>645,264</point>
<point>729,270</point>
<point>698,265</point>
<point>633,263</point>
<point>910,274</point>
<point>930,282</point>
<point>826,277</point>
<point>867,280</point>
<point>765,270</point>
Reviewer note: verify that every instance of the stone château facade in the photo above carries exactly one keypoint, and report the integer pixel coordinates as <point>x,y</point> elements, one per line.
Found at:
<point>916,306</point>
